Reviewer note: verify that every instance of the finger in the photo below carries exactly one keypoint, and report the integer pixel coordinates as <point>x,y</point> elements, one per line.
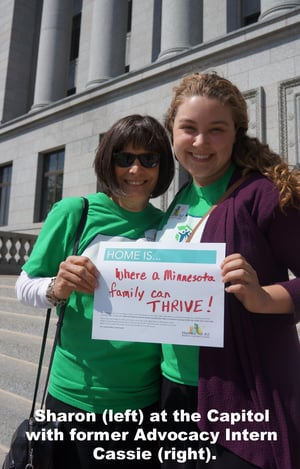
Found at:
<point>80,266</point>
<point>77,273</point>
<point>237,276</point>
<point>85,262</point>
<point>231,257</point>
<point>75,281</point>
<point>237,266</point>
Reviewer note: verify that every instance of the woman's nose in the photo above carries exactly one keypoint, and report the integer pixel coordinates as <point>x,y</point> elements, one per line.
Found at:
<point>199,139</point>
<point>136,165</point>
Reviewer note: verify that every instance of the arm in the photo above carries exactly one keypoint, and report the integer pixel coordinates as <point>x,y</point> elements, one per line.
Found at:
<point>51,259</point>
<point>76,273</point>
<point>32,291</point>
<point>243,283</point>
<point>281,231</point>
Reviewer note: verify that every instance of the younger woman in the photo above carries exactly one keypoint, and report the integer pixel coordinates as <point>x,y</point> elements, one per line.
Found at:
<point>256,376</point>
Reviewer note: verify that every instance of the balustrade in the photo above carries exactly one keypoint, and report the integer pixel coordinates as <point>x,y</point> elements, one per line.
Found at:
<point>15,249</point>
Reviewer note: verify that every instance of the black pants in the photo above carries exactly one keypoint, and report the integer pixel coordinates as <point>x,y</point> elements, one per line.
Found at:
<point>78,449</point>
<point>178,397</point>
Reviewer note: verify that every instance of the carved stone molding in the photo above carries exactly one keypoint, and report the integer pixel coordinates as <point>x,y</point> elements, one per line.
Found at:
<point>289,120</point>
<point>256,112</point>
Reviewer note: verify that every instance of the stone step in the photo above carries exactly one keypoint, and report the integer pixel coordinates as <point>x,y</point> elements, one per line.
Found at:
<point>8,303</point>
<point>7,291</point>
<point>26,323</point>
<point>23,346</point>
<point>21,329</point>
<point>17,381</point>
<point>8,279</point>
<point>18,376</point>
<point>14,409</point>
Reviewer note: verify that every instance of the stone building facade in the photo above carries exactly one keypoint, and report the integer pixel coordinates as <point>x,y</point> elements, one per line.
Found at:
<point>71,68</point>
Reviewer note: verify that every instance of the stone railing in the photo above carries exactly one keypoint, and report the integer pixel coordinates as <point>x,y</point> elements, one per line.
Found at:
<point>15,249</point>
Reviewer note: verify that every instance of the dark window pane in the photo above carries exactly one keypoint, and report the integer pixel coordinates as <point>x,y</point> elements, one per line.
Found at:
<point>5,183</point>
<point>52,181</point>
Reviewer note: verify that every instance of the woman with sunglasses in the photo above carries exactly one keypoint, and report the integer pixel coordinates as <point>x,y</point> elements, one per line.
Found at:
<point>133,163</point>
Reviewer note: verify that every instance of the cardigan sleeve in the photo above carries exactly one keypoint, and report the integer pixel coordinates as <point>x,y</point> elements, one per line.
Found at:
<point>252,224</point>
<point>281,229</point>
<point>284,236</point>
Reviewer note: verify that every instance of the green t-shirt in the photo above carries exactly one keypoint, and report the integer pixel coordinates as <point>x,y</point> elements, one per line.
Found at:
<point>94,375</point>
<point>180,363</point>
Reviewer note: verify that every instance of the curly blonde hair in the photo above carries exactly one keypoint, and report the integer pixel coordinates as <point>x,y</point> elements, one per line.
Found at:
<point>249,153</point>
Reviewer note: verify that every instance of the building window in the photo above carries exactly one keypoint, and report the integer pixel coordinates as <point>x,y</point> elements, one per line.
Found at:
<point>5,183</point>
<point>50,182</point>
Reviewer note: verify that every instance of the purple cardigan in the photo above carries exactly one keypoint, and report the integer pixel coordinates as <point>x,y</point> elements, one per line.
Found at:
<point>259,366</point>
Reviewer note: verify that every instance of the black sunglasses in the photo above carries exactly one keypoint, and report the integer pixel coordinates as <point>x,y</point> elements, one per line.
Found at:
<point>125,159</point>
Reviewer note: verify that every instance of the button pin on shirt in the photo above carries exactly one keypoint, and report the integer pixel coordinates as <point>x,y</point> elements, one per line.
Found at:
<point>179,211</point>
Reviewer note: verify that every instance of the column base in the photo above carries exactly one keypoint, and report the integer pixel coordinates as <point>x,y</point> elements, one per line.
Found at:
<point>95,83</point>
<point>172,52</point>
<point>36,107</point>
<point>278,11</point>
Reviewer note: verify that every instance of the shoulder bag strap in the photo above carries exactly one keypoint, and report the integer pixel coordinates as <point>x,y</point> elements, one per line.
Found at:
<point>221,199</point>
<point>59,322</point>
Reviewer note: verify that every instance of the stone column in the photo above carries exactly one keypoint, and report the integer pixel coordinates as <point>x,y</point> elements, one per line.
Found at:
<point>181,26</point>
<point>273,8</point>
<point>144,20</point>
<point>54,52</point>
<point>215,19</point>
<point>108,40</point>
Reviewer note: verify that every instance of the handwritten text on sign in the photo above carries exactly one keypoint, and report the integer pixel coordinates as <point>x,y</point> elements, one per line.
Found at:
<point>160,292</point>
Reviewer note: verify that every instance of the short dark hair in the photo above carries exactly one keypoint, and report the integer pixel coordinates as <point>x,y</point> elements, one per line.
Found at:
<point>139,131</point>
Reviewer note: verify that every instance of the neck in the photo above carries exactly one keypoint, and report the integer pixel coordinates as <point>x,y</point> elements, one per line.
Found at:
<point>130,205</point>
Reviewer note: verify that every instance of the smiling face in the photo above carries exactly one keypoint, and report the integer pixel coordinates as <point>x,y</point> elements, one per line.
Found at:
<point>203,138</point>
<point>136,182</point>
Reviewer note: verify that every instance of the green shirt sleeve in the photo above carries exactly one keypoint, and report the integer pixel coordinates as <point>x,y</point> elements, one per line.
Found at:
<point>56,238</point>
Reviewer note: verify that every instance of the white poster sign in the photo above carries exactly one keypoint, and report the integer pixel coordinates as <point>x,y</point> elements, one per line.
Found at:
<point>160,292</point>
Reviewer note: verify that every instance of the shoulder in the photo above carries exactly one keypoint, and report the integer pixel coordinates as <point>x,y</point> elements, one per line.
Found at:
<point>254,180</point>
<point>71,207</point>
<point>258,190</point>
<point>258,198</point>
<point>62,218</point>
<point>67,205</point>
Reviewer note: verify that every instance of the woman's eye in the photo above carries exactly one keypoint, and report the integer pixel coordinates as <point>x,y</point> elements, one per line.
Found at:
<point>216,130</point>
<point>188,128</point>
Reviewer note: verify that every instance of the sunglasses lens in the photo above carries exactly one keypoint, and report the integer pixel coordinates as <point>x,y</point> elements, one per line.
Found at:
<point>149,160</point>
<point>125,159</point>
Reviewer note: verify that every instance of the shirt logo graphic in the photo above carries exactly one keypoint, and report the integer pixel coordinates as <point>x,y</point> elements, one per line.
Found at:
<point>183,233</point>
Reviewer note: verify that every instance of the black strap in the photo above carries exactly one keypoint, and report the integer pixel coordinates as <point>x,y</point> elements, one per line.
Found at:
<point>226,194</point>
<point>74,252</point>
<point>59,322</point>
<point>41,358</point>
<point>81,224</point>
